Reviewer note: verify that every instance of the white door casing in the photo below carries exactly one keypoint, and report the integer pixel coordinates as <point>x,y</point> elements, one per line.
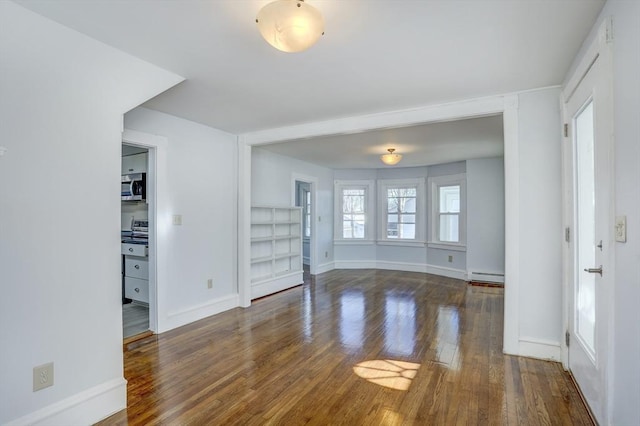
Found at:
<point>588,163</point>
<point>313,240</point>
<point>157,146</point>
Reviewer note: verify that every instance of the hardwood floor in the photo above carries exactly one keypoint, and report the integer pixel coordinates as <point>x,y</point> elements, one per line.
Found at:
<point>352,347</point>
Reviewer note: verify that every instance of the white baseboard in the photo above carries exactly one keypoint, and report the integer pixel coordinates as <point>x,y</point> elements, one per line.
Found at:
<point>275,285</point>
<point>402,266</point>
<point>325,267</point>
<point>443,271</point>
<point>538,348</point>
<point>486,277</point>
<point>84,408</point>
<point>355,264</point>
<point>195,313</point>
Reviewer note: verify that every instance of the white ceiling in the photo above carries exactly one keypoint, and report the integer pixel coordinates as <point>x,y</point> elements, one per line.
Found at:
<point>376,55</point>
<point>433,143</point>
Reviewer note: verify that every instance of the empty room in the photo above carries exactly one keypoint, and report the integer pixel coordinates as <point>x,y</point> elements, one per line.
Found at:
<point>330,212</point>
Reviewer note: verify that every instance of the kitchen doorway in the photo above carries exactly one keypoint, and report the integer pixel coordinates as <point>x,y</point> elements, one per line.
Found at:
<point>134,238</point>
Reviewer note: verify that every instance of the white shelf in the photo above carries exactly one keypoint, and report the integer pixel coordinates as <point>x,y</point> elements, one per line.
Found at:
<point>277,249</point>
<point>285,255</point>
<point>261,239</point>
<point>286,237</point>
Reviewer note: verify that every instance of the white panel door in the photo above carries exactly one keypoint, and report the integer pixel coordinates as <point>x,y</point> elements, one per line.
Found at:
<point>590,115</point>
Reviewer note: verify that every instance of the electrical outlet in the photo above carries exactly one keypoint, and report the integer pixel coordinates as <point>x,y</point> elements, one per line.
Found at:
<point>42,376</point>
<point>177,219</point>
<point>210,283</point>
<point>621,229</point>
<point>450,259</point>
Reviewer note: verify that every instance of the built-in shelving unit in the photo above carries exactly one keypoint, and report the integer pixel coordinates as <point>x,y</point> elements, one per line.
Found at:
<point>276,249</point>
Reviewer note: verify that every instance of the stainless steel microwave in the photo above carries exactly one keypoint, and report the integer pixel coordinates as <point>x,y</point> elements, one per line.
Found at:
<point>134,187</point>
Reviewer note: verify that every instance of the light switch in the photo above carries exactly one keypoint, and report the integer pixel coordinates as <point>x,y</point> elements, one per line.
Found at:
<point>177,219</point>
<point>621,229</point>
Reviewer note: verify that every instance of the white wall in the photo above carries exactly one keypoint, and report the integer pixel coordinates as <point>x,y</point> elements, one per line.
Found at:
<point>61,105</point>
<point>271,185</point>
<point>540,206</point>
<point>625,377</point>
<point>202,188</point>
<point>485,217</point>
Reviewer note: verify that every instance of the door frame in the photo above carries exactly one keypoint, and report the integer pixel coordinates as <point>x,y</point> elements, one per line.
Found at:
<point>313,188</point>
<point>157,185</point>
<point>599,49</point>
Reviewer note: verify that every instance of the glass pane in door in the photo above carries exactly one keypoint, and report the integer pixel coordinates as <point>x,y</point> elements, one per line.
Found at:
<point>586,220</point>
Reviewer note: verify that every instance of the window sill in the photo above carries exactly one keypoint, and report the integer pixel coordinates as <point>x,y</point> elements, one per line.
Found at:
<point>359,242</point>
<point>403,243</point>
<point>446,246</point>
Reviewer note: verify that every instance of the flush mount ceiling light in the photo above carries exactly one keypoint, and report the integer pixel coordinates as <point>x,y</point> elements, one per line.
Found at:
<point>290,25</point>
<point>391,158</point>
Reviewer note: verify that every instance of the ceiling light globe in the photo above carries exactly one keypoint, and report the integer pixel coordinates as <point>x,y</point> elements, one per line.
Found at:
<point>391,159</point>
<point>290,25</point>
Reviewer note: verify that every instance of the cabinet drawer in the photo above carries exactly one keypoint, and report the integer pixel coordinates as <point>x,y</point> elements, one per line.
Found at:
<point>134,250</point>
<point>136,267</point>
<point>136,289</point>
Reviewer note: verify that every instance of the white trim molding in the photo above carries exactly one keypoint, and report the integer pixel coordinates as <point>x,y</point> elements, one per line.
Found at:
<point>511,333</point>
<point>81,408</point>
<point>355,264</point>
<point>313,240</point>
<point>402,266</point>
<point>158,215</point>
<point>484,276</point>
<point>198,312</point>
<point>434,183</point>
<point>325,267</point>
<point>369,205</point>
<point>539,348</point>
<point>420,206</point>
<point>275,285</point>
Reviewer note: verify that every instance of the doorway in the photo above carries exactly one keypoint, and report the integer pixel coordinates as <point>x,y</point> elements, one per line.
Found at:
<point>304,196</point>
<point>134,237</point>
<point>303,200</point>
<point>589,255</point>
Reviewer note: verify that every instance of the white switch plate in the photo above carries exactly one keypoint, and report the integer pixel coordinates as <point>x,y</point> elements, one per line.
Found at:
<point>621,229</point>
<point>177,219</point>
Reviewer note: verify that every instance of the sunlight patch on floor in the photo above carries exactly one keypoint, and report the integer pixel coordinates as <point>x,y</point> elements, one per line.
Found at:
<point>388,373</point>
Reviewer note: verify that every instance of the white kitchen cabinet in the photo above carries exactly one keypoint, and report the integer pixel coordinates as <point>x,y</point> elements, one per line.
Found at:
<point>136,267</point>
<point>136,272</point>
<point>276,249</point>
<point>140,250</point>
<point>136,163</point>
<point>136,289</point>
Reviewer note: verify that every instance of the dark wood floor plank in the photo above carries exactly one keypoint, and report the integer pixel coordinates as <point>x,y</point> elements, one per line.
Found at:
<point>365,347</point>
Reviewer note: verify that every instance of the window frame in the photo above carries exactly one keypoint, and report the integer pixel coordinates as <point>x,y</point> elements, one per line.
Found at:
<point>383,186</point>
<point>435,183</point>
<point>369,213</point>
